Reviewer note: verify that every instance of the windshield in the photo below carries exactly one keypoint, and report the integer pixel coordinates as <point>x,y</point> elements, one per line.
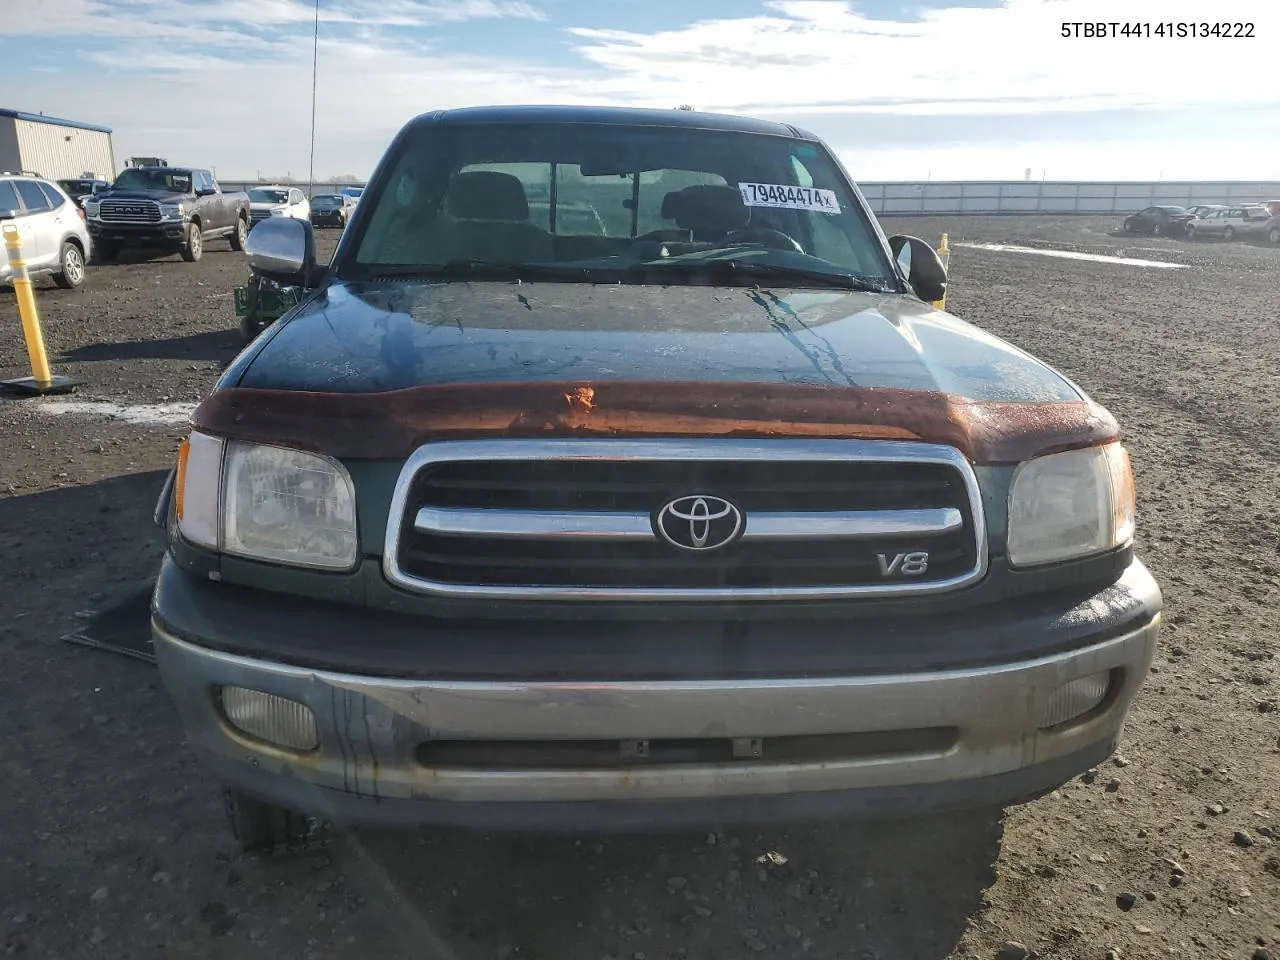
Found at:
<point>269,196</point>
<point>326,201</point>
<point>611,202</point>
<point>154,178</point>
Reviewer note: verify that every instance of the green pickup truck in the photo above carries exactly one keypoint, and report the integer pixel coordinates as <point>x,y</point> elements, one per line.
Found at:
<point>706,515</point>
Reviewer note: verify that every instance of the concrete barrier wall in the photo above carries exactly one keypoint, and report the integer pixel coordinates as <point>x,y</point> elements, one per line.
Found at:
<point>898,198</point>
<point>903,198</point>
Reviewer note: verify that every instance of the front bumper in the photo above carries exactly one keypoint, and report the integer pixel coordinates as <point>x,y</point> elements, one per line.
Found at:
<point>162,233</point>
<point>986,743</point>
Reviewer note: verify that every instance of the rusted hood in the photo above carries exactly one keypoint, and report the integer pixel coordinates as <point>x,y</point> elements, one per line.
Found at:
<point>376,370</point>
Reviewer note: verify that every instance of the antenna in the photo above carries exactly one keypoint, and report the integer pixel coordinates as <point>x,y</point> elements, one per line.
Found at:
<point>315,62</point>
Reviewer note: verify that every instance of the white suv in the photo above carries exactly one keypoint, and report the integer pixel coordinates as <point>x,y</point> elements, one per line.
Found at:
<point>268,202</point>
<point>55,239</point>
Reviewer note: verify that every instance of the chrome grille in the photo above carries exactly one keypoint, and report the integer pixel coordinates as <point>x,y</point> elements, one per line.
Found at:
<point>577,519</point>
<point>258,215</point>
<point>129,211</point>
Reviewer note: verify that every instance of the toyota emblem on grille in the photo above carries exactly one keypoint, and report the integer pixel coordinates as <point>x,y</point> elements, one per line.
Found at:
<point>698,522</point>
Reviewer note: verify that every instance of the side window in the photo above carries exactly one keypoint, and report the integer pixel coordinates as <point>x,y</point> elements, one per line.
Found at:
<point>32,196</point>
<point>828,242</point>
<point>202,180</point>
<point>8,196</point>
<point>295,196</point>
<point>51,193</point>
<point>803,177</point>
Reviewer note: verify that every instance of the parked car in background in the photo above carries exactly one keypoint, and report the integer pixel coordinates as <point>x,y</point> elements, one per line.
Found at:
<point>277,201</point>
<point>1271,230</point>
<point>1202,210</point>
<point>78,188</point>
<point>55,239</point>
<point>353,192</point>
<point>1232,223</point>
<point>1160,221</point>
<point>332,209</point>
<point>175,208</point>
<point>608,553</point>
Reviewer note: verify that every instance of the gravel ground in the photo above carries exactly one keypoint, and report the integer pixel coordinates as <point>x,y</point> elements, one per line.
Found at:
<point>114,844</point>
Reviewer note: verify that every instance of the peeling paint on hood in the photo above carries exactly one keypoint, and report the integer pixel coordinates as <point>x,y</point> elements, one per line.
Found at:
<point>382,336</point>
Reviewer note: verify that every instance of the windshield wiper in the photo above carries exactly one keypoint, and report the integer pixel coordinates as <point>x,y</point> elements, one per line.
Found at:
<point>754,271</point>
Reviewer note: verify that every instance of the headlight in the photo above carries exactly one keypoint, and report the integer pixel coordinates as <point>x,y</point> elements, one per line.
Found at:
<point>1069,505</point>
<point>277,211</point>
<point>172,211</point>
<point>266,503</point>
<point>91,208</point>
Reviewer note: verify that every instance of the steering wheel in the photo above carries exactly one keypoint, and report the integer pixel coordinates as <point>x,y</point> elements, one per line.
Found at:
<point>766,237</point>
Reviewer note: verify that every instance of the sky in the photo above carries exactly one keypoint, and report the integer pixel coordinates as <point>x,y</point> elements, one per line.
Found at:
<point>938,89</point>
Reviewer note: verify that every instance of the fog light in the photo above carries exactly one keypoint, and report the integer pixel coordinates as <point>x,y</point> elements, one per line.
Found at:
<point>268,717</point>
<point>1074,698</point>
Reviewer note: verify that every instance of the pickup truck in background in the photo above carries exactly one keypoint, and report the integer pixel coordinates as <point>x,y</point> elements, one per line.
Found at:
<point>176,208</point>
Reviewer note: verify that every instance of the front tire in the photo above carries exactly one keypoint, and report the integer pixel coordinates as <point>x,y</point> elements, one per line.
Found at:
<point>1228,234</point>
<point>239,235</point>
<point>260,826</point>
<point>193,248</point>
<point>1157,230</point>
<point>1191,232</point>
<point>1274,236</point>
<point>71,274</point>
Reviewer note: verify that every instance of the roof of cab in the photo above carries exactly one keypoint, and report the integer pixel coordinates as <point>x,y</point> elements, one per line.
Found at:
<point>622,116</point>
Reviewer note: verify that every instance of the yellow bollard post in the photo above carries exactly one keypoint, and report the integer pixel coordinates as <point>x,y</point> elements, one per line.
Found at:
<point>42,380</point>
<point>944,254</point>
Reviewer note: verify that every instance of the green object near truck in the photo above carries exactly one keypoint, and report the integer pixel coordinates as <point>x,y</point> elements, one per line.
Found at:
<point>261,302</point>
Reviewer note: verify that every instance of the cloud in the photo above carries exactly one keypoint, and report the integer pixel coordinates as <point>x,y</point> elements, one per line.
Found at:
<point>215,22</point>
<point>815,55</point>
<point>238,73</point>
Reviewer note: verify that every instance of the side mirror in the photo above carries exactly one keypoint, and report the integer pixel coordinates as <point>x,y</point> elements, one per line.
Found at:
<point>284,250</point>
<point>8,214</point>
<point>921,266</point>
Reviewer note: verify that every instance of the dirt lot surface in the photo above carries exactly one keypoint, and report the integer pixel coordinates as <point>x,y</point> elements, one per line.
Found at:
<point>113,840</point>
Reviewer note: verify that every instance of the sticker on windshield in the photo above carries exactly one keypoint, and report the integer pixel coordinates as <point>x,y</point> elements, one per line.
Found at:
<point>791,198</point>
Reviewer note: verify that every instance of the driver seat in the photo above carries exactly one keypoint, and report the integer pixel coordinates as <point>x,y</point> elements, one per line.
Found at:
<point>708,212</point>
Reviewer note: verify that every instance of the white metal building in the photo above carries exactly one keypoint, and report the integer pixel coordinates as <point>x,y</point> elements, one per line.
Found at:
<point>55,149</point>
